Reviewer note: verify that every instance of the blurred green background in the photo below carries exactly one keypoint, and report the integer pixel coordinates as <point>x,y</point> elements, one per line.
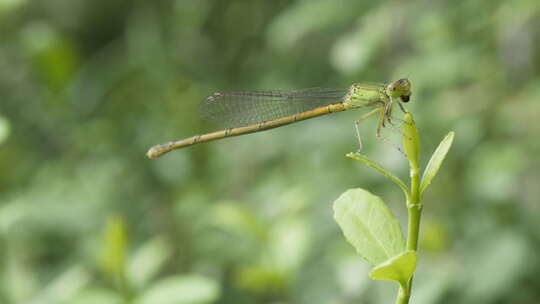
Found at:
<point>86,87</point>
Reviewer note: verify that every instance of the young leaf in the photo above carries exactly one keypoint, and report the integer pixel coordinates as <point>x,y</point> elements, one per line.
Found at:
<point>399,268</point>
<point>372,164</point>
<point>436,161</point>
<point>411,140</point>
<point>369,225</point>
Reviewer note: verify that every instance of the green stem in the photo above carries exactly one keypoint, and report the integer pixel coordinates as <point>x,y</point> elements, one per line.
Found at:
<point>414,214</point>
<point>403,295</point>
<point>411,143</point>
<point>414,210</point>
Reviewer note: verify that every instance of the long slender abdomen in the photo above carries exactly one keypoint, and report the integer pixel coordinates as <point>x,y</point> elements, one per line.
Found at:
<point>158,150</point>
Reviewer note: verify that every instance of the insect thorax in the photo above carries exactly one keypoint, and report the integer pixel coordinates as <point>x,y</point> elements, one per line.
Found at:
<point>361,95</point>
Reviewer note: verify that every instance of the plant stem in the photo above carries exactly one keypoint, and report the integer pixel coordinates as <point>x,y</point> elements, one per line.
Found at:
<point>411,143</point>
<point>414,212</point>
<point>403,295</point>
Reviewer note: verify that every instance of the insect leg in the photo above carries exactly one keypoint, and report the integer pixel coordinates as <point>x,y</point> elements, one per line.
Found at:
<point>380,125</point>
<point>402,107</point>
<point>359,120</point>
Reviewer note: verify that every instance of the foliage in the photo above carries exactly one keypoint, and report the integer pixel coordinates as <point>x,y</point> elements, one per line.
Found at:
<point>87,86</point>
<point>370,226</point>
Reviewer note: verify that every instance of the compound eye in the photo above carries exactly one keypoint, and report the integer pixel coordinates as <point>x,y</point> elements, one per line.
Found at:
<point>405,98</point>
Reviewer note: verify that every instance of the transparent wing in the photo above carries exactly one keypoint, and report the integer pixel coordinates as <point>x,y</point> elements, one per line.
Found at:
<point>232,109</point>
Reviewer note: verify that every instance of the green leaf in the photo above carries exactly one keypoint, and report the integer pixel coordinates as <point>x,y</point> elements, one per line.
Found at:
<point>399,268</point>
<point>261,278</point>
<point>147,261</point>
<point>411,140</point>
<point>372,164</point>
<point>369,225</point>
<point>435,162</point>
<point>114,248</point>
<point>189,289</point>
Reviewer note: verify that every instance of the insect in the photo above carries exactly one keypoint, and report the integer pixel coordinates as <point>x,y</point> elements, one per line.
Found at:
<point>254,111</point>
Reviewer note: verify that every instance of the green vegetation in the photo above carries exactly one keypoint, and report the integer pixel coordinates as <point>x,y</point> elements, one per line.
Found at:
<point>87,86</point>
<point>370,226</point>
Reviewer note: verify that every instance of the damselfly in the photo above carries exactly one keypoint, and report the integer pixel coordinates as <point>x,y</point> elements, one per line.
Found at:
<point>253,111</point>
